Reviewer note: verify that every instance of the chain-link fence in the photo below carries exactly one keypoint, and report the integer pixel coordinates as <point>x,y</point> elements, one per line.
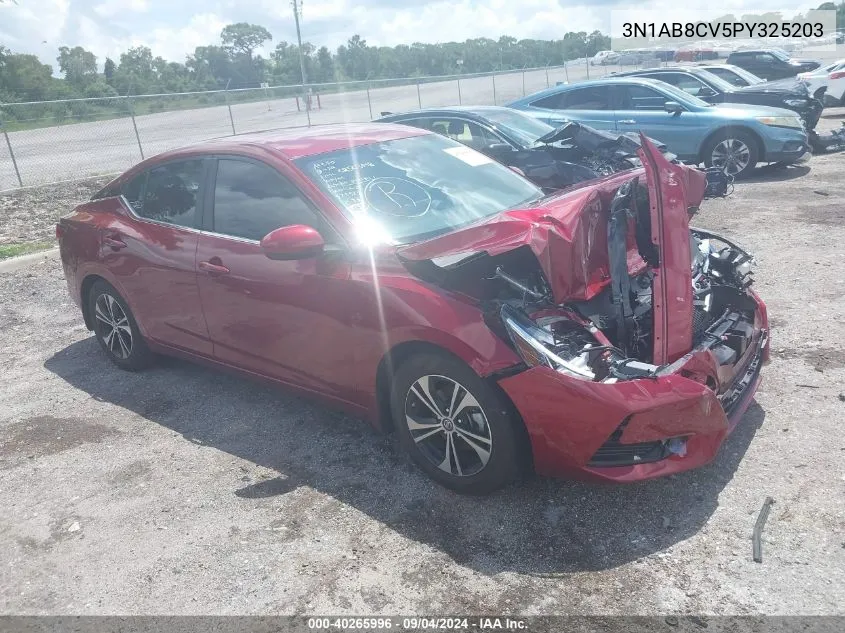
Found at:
<point>49,141</point>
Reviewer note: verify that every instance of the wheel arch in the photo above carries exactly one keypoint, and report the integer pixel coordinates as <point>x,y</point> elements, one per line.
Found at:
<point>400,353</point>
<point>761,146</point>
<point>84,290</point>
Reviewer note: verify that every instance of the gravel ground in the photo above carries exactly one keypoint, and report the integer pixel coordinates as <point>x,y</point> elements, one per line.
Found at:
<point>183,490</point>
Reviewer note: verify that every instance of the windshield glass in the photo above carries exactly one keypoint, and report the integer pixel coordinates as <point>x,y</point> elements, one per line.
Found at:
<point>680,96</point>
<point>751,78</point>
<point>524,128</point>
<point>716,81</point>
<point>414,188</point>
<point>779,54</point>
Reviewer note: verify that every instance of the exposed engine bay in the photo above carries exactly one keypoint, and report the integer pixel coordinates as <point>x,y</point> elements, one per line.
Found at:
<point>609,335</point>
<point>578,153</point>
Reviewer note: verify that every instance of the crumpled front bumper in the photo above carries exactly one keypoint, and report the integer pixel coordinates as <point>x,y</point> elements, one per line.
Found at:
<point>570,420</point>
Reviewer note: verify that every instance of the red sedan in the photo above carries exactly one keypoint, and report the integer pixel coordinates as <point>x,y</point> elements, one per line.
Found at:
<point>413,281</point>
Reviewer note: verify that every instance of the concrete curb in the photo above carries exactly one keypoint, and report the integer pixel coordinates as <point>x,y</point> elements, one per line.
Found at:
<point>16,263</point>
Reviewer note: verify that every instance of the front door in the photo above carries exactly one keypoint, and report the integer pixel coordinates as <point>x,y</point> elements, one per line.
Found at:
<point>283,319</point>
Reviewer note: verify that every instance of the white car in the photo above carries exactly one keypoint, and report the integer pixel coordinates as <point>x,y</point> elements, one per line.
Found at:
<point>603,58</point>
<point>831,77</point>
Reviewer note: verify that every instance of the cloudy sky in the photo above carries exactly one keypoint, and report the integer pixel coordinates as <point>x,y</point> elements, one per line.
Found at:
<point>173,28</point>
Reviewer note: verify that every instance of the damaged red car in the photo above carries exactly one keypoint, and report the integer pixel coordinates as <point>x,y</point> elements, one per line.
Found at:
<point>413,281</point>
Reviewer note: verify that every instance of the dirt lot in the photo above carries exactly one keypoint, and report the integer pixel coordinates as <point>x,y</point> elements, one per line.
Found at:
<point>183,490</point>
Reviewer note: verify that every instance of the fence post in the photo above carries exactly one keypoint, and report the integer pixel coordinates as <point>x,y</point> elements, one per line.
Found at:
<point>459,91</point>
<point>12,154</point>
<point>134,125</point>
<point>547,74</point>
<point>523,80</point>
<point>419,97</point>
<point>229,106</point>
<point>587,64</point>
<point>369,102</point>
<point>307,99</point>
<point>566,70</point>
<point>494,88</point>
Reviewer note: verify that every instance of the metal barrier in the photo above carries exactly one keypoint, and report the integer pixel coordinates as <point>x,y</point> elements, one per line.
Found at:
<point>50,141</point>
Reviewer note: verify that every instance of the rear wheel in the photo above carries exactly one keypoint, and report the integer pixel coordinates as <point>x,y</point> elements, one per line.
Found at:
<point>735,152</point>
<point>116,329</point>
<point>456,427</point>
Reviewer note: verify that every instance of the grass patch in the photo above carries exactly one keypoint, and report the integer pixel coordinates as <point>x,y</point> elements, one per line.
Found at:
<point>13,250</point>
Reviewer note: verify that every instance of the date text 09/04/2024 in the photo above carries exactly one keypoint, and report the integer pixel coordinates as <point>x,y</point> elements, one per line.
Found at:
<point>418,623</point>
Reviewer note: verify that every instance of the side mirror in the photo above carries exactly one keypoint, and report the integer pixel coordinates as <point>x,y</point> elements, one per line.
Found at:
<point>673,107</point>
<point>497,149</point>
<point>292,242</point>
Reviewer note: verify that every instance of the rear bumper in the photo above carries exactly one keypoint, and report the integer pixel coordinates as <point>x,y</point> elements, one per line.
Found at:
<point>578,428</point>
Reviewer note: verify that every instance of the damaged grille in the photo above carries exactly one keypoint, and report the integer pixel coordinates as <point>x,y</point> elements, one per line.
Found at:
<point>731,398</point>
<point>614,453</point>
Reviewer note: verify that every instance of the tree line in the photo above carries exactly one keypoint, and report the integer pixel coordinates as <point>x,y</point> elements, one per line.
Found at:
<point>234,62</point>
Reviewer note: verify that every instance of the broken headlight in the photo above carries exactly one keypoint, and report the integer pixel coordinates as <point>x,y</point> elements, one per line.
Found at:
<point>781,121</point>
<point>538,346</point>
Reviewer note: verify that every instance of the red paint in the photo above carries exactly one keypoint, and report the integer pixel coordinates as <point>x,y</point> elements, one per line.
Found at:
<point>322,319</point>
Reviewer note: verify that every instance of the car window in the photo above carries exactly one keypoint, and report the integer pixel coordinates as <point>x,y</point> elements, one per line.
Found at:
<point>764,58</point>
<point>643,98</point>
<point>251,200</point>
<point>592,98</point>
<point>727,75</point>
<point>691,85</point>
<point>171,193</point>
<point>552,102</point>
<point>133,191</point>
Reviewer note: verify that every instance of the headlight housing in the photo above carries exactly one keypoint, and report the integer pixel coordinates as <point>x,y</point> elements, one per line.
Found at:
<point>781,121</point>
<point>535,346</point>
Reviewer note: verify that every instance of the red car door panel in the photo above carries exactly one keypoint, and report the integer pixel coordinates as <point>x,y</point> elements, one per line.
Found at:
<point>153,258</point>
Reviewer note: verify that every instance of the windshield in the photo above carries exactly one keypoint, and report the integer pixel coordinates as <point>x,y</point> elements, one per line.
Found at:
<point>681,96</point>
<point>522,127</point>
<point>715,80</point>
<point>749,77</point>
<point>780,54</point>
<point>414,188</point>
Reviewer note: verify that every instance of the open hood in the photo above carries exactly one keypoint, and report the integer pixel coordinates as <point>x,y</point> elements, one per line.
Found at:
<point>791,85</point>
<point>592,140</point>
<point>568,234</point>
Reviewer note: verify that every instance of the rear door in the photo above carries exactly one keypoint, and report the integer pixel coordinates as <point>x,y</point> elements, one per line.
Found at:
<point>591,105</point>
<point>151,252</point>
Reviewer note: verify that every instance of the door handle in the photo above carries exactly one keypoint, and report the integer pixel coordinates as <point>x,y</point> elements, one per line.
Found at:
<point>114,242</point>
<point>213,269</point>
<point>628,121</point>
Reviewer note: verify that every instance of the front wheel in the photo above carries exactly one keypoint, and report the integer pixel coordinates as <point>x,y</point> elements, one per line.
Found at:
<point>455,426</point>
<point>734,152</point>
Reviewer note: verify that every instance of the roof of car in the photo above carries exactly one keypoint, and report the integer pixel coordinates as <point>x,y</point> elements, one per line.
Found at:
<point>466,110</point>
<point>657,69</point>
<point>298,142</point>
<point>586,84</point>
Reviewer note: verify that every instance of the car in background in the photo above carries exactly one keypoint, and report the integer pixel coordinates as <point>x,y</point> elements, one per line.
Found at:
<point>770,63</point>
<point>734,75</point>
<point>603,58</point>
<point>788,94</point>
<point>695,53</point>
<point>552,158</point>
<point>731,136</point>
<point>829,82</point>
<point>408,279</point>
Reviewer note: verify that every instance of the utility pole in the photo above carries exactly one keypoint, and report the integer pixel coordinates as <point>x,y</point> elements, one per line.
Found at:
<point>297,11</point>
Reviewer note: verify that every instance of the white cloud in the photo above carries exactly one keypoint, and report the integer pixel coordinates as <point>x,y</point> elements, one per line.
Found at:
<point>175,43</point>
<point>111,8</point>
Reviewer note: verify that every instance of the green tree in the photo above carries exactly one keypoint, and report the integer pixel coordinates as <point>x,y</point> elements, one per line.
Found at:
<point>108,70</point>
<point>244,38</point>
<point>78,65</point>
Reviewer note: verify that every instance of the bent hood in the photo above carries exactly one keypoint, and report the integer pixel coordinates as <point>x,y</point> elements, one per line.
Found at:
<point>788,85</point>
<point>568,232</point>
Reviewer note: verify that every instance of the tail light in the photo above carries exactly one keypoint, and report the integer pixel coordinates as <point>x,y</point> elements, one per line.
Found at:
<point>839,74</point>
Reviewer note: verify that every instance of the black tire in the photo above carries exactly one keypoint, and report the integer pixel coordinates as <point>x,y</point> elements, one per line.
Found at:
<point>123,344</point>
<point>728,142</point>
<point>492,425</point>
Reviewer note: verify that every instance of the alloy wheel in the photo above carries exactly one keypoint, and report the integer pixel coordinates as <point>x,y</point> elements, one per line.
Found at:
<point>731,156</point>
<point>113,326</point>
<point>448,425</point>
